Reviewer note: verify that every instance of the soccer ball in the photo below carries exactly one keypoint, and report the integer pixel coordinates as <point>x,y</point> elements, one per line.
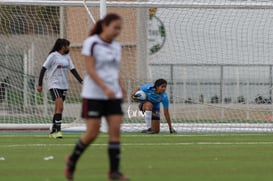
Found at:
<point>140,95</point>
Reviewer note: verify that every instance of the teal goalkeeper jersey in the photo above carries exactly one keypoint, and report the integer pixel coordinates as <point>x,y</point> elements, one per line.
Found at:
<point>155,98</point>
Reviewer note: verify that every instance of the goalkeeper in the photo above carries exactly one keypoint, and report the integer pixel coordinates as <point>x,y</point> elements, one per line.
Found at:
<point>155,94</point>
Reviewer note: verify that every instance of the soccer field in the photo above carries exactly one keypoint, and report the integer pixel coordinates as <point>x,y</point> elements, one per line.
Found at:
<point>144,157</point>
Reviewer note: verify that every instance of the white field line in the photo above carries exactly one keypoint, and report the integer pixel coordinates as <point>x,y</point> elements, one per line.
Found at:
<point>39,135</point>
<point>147,144</point>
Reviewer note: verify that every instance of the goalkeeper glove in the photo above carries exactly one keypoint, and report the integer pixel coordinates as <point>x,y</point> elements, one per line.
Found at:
<point>134,98</point>
<point>172,131</point>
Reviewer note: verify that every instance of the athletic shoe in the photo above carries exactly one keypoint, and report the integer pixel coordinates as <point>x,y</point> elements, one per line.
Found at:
<point>150,132</point>
<point>56,135</point>
<point>117,176</point>
<point>69,169</point>
<point>52,135</point>
<point>59,134</point>
<point>146,130</point>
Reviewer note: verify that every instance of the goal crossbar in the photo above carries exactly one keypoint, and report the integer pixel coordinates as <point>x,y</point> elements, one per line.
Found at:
<point>165,4</point>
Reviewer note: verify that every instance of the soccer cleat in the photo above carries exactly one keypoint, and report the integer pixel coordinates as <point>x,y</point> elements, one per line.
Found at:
<point>59,134</point>
<point>52,135</point>
<point>146,130</point>
<point>117,176</point>
<point>56,135</point>
<point>150,132</point>
<point>69,169</point>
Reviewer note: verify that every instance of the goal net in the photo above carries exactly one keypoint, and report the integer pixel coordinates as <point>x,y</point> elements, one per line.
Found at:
<point>215,55</point>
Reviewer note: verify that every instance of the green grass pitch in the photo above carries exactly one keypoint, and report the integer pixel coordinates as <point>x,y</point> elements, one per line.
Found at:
<point>160,157</point>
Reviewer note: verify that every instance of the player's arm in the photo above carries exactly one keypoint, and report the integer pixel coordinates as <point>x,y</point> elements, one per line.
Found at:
<point>133,98</point>
<point>41,77</point>
<point>76,75</point>
<point>47,65</point>
<point>168,119</point>
<point>73,70</point>
<point>143,88</point>
<point>134,92</point>
<point>165,103</point>
<point>137,89</point>
<point>90,64</point>
<point>124,92</point>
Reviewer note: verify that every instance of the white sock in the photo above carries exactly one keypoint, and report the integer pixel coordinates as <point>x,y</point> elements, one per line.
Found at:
<point>148,118</point>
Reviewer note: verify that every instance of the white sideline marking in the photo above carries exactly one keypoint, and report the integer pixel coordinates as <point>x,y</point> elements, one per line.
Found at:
<point>140,135</point>
<point>149,144</point>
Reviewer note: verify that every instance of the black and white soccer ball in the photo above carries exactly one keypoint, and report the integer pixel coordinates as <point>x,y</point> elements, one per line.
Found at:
<point>140,95</point>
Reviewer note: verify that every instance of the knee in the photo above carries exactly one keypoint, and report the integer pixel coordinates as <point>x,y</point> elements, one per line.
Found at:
<point>148,106</point>
<point>59,105</point>
<point>114,134</point>
<point>88,138</point>
<point>60,109</point>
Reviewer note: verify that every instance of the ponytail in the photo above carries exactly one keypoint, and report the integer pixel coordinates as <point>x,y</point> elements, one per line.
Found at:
<point>97,29</point>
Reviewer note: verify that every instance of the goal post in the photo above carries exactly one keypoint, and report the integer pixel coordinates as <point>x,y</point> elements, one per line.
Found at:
<point>215,55</point>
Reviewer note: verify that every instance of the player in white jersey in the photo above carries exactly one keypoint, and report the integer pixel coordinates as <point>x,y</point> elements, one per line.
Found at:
<point>57,65</point>
<point>102,93</point>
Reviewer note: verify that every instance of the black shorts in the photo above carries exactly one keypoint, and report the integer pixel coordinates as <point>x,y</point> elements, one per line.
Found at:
<point>92,108</point>
<point>55,93</point>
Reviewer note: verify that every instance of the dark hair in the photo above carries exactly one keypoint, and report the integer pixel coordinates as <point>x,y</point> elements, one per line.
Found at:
<point>60,42</point>
<point>159,82</point>
<point>97,28</point>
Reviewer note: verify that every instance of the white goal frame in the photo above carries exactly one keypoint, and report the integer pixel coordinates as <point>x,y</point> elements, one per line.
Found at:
<point>166,4</point>
<point>182,127</point>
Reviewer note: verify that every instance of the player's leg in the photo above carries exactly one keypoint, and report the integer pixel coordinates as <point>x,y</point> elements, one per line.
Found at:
<point>92,131</point>
<point>147,107</point>
<point>114,115</point>
<point>155,120</point>
<point>114,122</point>
<point>58,98</point>
<point>91,112</point>
<point>155,127</point>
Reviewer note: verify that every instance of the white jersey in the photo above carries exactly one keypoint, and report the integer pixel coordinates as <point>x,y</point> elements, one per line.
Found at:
<point>57,66</point>
<point>107,60</point>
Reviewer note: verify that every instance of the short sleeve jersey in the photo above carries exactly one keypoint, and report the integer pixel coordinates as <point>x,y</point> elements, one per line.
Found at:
<point>57,66</point>
<point>107,58</point>
<point>155,98</point>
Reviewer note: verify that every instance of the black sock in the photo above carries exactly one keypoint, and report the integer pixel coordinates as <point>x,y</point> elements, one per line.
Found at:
<point>57,122</point>
<point>114,156</point>
<point>78,151</point>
